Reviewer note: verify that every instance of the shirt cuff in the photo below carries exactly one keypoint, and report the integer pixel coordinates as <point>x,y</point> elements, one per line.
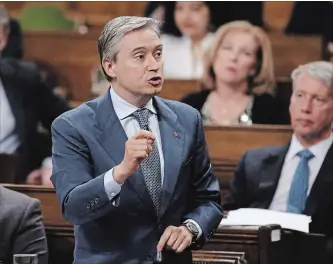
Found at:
<point>112,188</point>
<point>197,225</point>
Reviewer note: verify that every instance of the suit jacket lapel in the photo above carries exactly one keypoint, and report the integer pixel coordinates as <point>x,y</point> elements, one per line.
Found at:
<point>113,138</point>
<point>270,176</point>
<point>321,184</point>
<point>172,138</point>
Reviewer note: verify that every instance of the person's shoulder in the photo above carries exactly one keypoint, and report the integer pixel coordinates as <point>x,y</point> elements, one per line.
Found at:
<point>195,96</point>
<point>262,153</point>
<point>171,41</point>
<point>18,69</point>
<point>82,114</point>
<point>264,100</point>
<point>15,199</point>
<point>264,97</point>
<point>183,111</point>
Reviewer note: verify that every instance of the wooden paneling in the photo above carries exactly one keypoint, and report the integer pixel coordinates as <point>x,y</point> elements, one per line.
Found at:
<point>277,14</point>
<point>76,55</point>
<point>291,51</point>
<point>230,142</point>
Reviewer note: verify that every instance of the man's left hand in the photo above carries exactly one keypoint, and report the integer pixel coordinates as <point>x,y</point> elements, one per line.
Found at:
<point>175,238</point>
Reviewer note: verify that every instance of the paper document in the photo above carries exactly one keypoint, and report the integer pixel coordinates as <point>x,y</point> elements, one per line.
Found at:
<point>258,217</point>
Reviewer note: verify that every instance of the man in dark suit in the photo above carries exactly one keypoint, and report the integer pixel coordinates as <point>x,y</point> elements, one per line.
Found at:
<point>130,169</point>
<point>25,102</point>
<point>11,44</point>
<point>21,229</point>
<point>296,178</point>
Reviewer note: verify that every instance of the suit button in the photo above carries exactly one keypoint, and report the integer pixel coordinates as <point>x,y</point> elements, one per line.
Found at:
<point>88,205</point>
<point>96,200</point>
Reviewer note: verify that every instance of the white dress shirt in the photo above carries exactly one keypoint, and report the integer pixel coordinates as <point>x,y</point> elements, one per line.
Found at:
<point>9,140</point>
<point>179,59</point>
<point>319,150</point>
<point>124,111</point>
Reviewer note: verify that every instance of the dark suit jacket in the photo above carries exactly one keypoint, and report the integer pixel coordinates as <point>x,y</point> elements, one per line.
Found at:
<point>88,141</point>
<point>32,103</point>
<point>264,109</point>
<point>21,229</point>
<point>256,180</point>
<point>14,47</point>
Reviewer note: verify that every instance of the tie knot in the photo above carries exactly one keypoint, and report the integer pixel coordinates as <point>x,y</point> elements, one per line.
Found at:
<point>141,115</point>
<point>305,154</point>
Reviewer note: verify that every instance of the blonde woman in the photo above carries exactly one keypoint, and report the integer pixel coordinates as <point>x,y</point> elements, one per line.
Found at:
<point>238,79</point>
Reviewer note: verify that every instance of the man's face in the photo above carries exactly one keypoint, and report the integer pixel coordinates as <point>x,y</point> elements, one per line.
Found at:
<point>311,108</point>
<point>139,65</point>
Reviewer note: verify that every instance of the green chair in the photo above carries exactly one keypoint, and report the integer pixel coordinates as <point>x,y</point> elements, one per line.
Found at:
<point>44,18</point>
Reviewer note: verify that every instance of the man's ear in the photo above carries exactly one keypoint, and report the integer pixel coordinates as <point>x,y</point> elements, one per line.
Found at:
<point>109,67</point>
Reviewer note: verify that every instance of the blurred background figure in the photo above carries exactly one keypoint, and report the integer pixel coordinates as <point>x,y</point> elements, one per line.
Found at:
<point>10,36</point>
<point>239,78</point>
<point>188,33</point>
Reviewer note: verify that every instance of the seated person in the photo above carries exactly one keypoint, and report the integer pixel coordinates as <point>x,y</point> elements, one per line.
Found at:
<point>238,78</point>
<point>21,229</point>
<point>297,177</point>
<point>186,38</point>
<point>10,36</point>
<point>25,103</point>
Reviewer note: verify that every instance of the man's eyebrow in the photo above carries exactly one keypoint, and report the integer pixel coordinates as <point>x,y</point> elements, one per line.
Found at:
<point>159,46</point>
<point>144,48</point>
<point>138,49</point>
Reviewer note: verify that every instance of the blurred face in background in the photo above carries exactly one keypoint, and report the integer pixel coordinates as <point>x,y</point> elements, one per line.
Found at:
<point>192,19</point>
<point>311,108</point>
<point>235,58</point>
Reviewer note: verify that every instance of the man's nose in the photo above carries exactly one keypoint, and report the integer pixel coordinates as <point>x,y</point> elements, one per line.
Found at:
<point>153,64</point>
<point>306,106</point>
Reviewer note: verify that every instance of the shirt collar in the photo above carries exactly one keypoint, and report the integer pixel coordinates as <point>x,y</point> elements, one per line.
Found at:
<point>124,109</point>
<point>318,150</point>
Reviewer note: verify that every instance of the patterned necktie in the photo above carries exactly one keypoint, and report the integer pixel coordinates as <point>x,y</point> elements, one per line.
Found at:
<point>150,166</point>
<point>299,187</point>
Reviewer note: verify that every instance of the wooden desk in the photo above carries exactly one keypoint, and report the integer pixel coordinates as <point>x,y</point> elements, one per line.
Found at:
<point>261,244</point>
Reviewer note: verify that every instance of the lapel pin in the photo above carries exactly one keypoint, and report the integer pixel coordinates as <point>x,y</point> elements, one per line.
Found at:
<point>175,134</point>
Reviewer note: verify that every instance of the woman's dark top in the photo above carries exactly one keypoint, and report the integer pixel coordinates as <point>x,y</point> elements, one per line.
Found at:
<point>265,109</point>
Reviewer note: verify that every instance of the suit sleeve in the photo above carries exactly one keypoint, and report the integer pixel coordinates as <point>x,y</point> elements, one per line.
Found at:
<point>205,206</point>
<point>30,237</point>
<point>237,198</point>
<point>82,197</point>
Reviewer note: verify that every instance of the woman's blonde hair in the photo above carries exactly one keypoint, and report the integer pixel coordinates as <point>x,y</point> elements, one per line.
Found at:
<point>263,80</point>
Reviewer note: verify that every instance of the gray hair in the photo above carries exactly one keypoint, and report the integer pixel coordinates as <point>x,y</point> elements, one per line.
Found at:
<point>116,29</point>
<point>318,70</point>
<point>4,16</point>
